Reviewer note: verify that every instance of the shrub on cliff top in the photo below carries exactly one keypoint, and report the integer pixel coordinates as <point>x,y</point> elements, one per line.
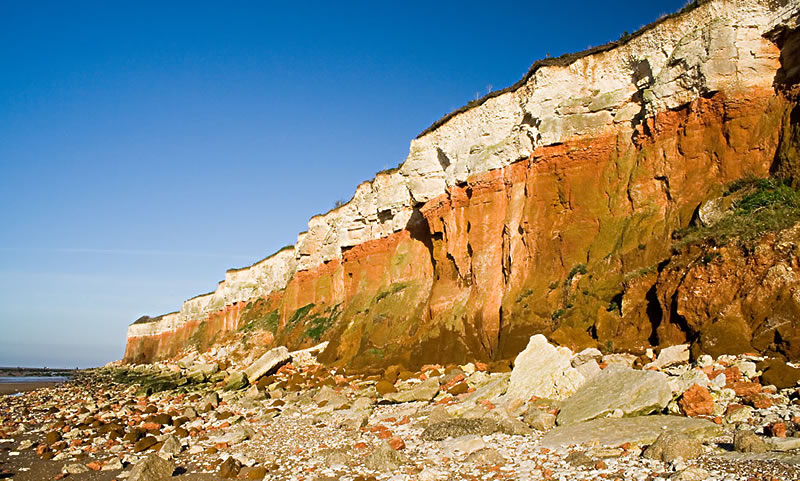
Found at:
<point>768,205</point>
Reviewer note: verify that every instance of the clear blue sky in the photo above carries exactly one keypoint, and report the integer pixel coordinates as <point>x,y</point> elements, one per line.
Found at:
<point>145,149</point>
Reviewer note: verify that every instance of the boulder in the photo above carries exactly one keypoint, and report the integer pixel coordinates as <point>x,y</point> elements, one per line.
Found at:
<point>632,392</point>
<point>171,447</point>
<point>538,419</point>
<point>588,354</point>
<point>424,391</point>
<point>486,457</point>
<point>268,363</point>
<point>746,441</point>
<point>696,401</point>
<point>669,356</point>
<point>385,458</point>
<point>670,446</point>
<point>236,380</point>
<point>779,374</point>
<point>453,428</point>
<point>152,468</point>
<point>639,431</point>
<point>201,372</point>
<point>542,370</point>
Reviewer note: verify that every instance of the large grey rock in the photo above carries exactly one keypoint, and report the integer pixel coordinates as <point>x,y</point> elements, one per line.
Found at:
<point>201,372</point>
<point>632,392</point>
<point>235,434</point>
<point>270,361</point>
<point>152,468</point>
<point>639,430</point>
<point>747,441</point>
<point>453,428</point>
<point>384,458</point>
<point>669,356</point>
<point>424,391</point>
<point>538,419</point>
<point>542,370</point>
<point>670,446</point>
<point>237,380</point>
<point>171,447</point>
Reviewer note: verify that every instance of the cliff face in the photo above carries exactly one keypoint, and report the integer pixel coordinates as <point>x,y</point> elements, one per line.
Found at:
<point>549,207</point>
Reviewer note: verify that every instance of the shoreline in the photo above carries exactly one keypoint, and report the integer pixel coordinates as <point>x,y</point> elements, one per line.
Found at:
<point>18,387</point>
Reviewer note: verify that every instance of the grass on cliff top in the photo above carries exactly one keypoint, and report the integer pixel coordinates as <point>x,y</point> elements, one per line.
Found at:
<point>768,205</point>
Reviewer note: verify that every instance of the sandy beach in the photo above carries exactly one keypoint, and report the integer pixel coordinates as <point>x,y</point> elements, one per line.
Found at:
<point>15,387</point>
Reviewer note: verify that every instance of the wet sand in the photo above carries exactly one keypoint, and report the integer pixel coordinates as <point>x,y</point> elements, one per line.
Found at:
<point>15,387</point>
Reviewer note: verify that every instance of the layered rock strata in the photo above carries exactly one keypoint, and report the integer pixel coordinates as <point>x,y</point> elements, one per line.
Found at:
<point>532,211</point>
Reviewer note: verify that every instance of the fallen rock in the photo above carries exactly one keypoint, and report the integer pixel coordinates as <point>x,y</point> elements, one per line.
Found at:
<point>746,441</point>
<point>696,401</point>
<point>538,419</point>
<point>639,431</point>
<point>384,458</point>
<point>236,380</point>
<point>424,391</point>
<point>453,428</point>
<point>485,457</point>
<point>235,435</point>
<point>632,392</point>
<point>670,446</point>
<point>542,370</point>
<point>151,468</point>
<point>268,363</point>
<point>779,374</point>
<point>588,354</point>
<point>670,356</point>
<point>76,468</point>
<point>578,459</point>
<point>171,447</point>
<point>692,473</point>
<point>229,468</point>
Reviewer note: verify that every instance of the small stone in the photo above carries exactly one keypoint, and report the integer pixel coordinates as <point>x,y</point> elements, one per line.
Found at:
<point>229,468</point>
<point>53,437</point>
<point>670,356</point>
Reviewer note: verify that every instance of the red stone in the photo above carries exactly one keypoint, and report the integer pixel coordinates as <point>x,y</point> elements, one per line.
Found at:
<point>397,443</point>
<point>696,401</point>
<point>744,389</point>
<point>778,430</point>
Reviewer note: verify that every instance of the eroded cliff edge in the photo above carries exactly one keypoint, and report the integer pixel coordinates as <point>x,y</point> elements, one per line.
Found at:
<point>549,207</point>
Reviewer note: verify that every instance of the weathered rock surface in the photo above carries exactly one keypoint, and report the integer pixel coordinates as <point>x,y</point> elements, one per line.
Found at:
<point>424,391</point>
<point>453,428</point>
<point>543,370</point>
<point>670,446</point>
<point>266,364</point>
<point>640,431</point>
<point>617,388</point>
<point>151,468</point>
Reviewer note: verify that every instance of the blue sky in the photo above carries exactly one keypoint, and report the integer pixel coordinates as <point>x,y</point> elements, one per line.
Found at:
<point>145,149</point>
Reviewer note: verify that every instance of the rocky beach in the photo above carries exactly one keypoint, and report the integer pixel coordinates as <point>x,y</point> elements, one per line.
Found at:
<point>551,414</point>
